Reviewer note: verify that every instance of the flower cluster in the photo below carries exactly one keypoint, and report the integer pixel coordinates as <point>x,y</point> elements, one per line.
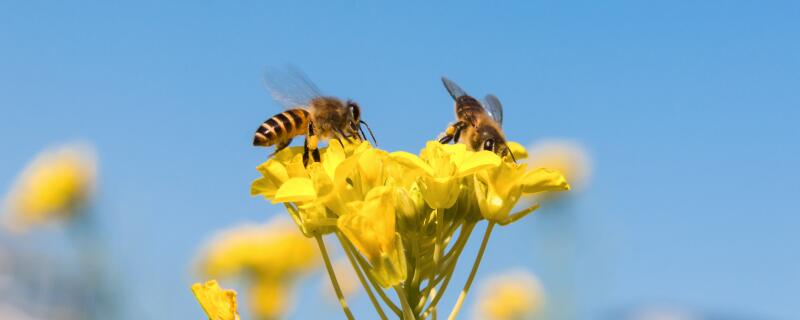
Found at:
<point>270,256</point>
<point>402,219</point>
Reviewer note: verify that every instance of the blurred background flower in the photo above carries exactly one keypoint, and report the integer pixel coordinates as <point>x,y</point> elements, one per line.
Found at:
<point>55,186</point>
<point>567,156</point>
<point>267,258</point>
<point>511,295</point>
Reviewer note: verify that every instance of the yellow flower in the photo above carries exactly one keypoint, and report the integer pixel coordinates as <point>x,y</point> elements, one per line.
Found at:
<point>514,295</point>
<point>370,226</point>
<point>498,189</point>
<point>271,257</point>
<point>403,219</point>
<point>269,299</point>
<point>441,166</point>
<point>56,185</point>
<point>305,190</point>
<point>285,165</point>
<point>218,304</point>
<point>568,157</point>
<point>274,248</point>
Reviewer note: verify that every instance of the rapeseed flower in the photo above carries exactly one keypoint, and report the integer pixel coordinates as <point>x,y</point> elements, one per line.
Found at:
<point>268,257</point>
<point>56,185</point>
<point>218,304</point>
<point>402,219</point>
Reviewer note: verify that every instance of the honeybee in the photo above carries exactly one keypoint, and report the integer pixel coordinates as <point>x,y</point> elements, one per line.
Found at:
<point>307,113</point>
<point>478,125</point>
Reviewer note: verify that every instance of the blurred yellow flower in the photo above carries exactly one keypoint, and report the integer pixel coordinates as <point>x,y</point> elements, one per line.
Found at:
<point>269,299</point>
<point>54,186</point>
<point>567,156</point>
<point>270,257</point>
<point>514,295</point>
<point>264,249</point>
<point>218,304</point>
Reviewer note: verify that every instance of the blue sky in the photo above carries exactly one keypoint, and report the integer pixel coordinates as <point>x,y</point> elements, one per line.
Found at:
<point>689,110</point>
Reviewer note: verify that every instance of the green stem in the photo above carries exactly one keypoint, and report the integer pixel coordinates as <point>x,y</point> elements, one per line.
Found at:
<point>361,278</point>
<point>472,273</point>
<point>364,265</point>
<point>460,244</point>
<point>408,314</point>
<point>437,248</point>
<point>332,275</point>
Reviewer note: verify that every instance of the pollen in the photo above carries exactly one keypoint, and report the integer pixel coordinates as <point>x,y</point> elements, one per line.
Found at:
<point>313,142</point>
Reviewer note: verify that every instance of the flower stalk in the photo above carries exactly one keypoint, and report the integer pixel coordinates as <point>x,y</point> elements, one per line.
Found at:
<point>332,276</point>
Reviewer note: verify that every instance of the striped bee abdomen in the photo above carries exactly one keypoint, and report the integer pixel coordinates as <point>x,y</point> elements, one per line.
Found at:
<point>281,127</point>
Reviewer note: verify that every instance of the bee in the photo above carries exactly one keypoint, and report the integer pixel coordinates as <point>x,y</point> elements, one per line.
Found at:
<point>307,113</point>
<point>478,124</point>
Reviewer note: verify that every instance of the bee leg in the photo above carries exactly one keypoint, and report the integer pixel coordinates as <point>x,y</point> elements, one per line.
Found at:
<point>315,154</point>
<point>447,136</point>
<point>280,146</point>
<point>310,146</point>
<point>340,135</point>
<point>305,153</point>
<point>453,132</point>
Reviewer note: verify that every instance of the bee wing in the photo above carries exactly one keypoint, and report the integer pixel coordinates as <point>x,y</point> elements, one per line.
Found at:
<point>492,105</point>
<point>290,87</point>
<point>454,90</point>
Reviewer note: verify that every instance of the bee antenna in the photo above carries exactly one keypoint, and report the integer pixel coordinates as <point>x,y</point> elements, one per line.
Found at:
<point>363,135</point>
<point>510,152</point>
<point>370,132</point>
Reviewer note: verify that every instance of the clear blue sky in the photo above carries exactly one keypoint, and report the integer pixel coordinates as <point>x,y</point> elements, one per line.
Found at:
<point>690,111</point>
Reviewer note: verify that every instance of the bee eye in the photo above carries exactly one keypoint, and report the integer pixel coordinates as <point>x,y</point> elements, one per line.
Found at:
<point>488,145</point>
<point>354,110</point>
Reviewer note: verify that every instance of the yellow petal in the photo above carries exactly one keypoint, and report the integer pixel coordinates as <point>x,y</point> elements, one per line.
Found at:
<point>370,166</point>
<point>372,227</point>
<point>218,304</point>
<point>263,186</point>
<point>390,268</point>
<point>412,161</point>
<point>440,193</point>
<point>544,180</point>
<point>274,170</point>
<point>333,156</point>
<point>295,190</point>
<point>295,167</point>
<point>518,150</point>
<point>478,161</point>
